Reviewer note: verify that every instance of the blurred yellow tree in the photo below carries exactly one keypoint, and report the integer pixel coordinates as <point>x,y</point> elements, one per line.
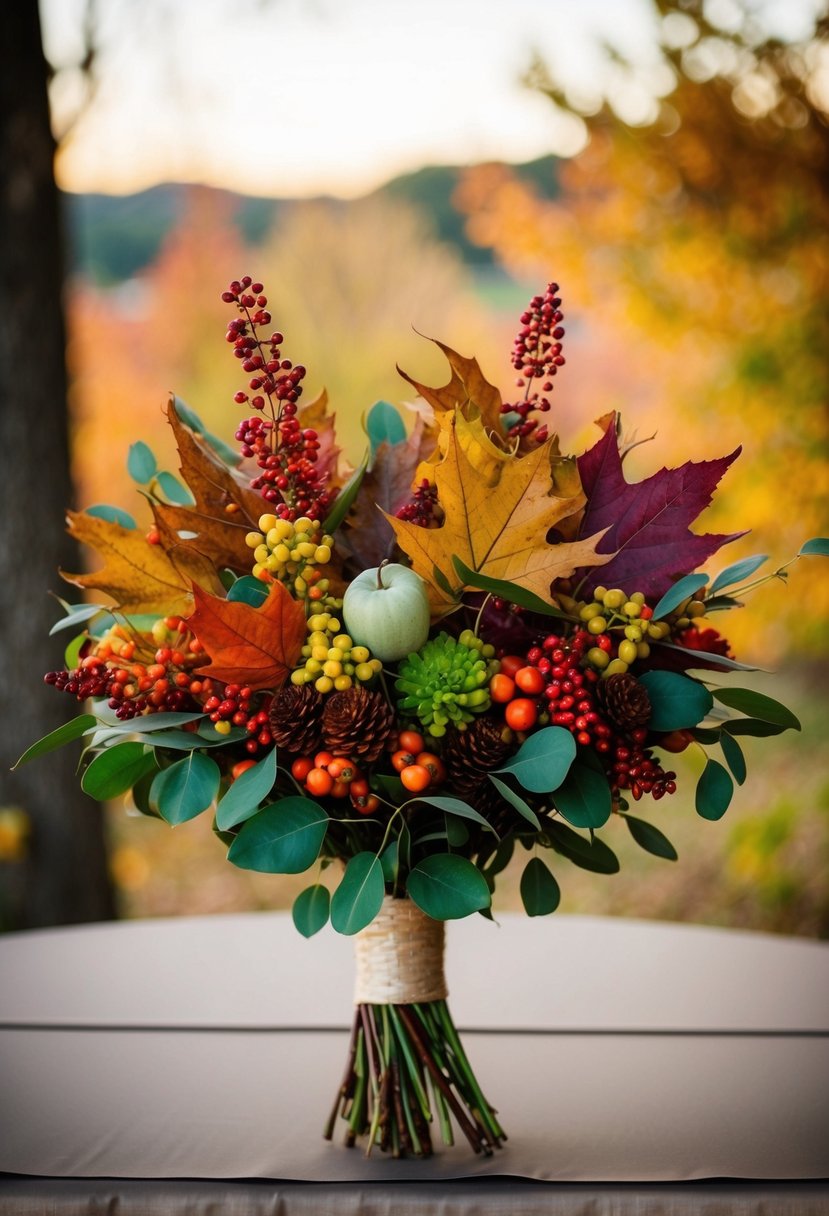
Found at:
<point>696,249</point>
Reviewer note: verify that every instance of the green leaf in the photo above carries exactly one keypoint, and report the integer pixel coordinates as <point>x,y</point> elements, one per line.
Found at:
<point>443,582</point>
<point>706,735</point>
<point>584,798</point>
<point>389,862</point>
<point>677,701</point>
<point>456,832</point>
<point>191,419</point>
<point>737,572</point>
<point>359,897</point>
<point>183,741</point>
<point>72,653</point>
<point>714,790</point>
<point>680,591</point>
<point>593,855</point>
<point>284,838</point>
<point>510,592</point>
<point>404,848</point>
<point>818,546</point>
<point>247,791</point>
<point>757,705</point>
<point>501,857</point>
<point>720,603</point>
<point>456,807</point>
<point>344,500</point>
<point>390,787</point>
<point>734,757</point>
<point>310,909</point>
<point>174,491</point>
<point>249,590</point>
<point>186,788</point>
<point>141,464</point>
<point>543,760</point>
<point>73,729</point>
<point>148,724</point>
<point>707,656</point>
<point>384,425</point>
<point>540,893</point>
<point>75,614</point>
<point>447,887</point>
<point>752,727</point>
<point>650,838</point>
<point>141,795</point>
<point>116,770</point>
<point>515,800</point>
<point>113,515</point>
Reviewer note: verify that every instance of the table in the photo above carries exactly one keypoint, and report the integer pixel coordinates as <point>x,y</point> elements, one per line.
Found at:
<point>626,1058</point>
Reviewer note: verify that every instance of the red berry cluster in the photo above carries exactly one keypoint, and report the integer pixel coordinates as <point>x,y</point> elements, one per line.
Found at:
<point>285,452</point>
<point>234,705</point>
<point>422,509</point>
<point>128,694</point>
<point>569,690</point>
<point>536,355</point>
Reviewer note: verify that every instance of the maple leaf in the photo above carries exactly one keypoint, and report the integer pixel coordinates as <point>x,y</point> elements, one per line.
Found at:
<point>256,647</point>
<point>468,387</point>
<point>225,509</point>
<point>314,414</point>
<point>498,529</point>
<point>646,522</point>
<point>139,576</point>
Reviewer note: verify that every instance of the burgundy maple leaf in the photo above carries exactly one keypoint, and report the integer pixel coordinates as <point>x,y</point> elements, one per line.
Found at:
<point>647,521</point>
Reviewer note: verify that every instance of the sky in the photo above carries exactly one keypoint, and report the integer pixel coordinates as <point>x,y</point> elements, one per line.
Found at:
<point>291,97</point>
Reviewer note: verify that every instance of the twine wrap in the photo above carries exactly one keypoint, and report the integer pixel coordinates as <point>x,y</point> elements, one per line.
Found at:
<point>399,957</point>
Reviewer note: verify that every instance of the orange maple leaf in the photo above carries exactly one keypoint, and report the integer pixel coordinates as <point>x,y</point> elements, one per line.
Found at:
<point>256,647</point>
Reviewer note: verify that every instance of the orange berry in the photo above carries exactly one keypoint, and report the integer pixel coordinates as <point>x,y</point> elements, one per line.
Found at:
<point>342,769</point>
<point>366,804</point>
<point>416,778</point>
<point>501,688</point>
<point>433,765</point>
<point>521,714</point>
<point>401,760</point>
<point>339,789</point>
<point>323,759</point>
<point>319,782</point>
<point>410,741</point>
<point>301,767</point>
<point>359,788</point>
<point>511,663</point>
<point>530,680</point>
<point>241,767</point>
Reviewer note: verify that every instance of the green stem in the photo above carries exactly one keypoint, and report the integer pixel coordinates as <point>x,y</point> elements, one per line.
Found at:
<point>485,1111</point>
<point>406,1051</point>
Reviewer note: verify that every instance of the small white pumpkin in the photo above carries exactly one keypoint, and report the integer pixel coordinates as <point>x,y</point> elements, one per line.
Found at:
<point>387,609</point>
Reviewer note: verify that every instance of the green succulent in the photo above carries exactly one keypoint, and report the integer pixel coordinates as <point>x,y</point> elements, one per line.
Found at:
<point>445,682</point>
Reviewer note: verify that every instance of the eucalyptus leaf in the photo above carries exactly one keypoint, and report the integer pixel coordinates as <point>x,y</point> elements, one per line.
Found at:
<point>650,838</point>
<point>116,770</point>
<point>677,594</point>
<point>73,729</point>
<point>698,657</point>
<point>738,571</point>
<point>247,791</point>
<point>510,592</point>
<point>283,838</point>
<point>72,653</point>
<point>389,862</point>
<point>752,727</point>
<point>447,887</point>
<point>584,797</point>
<point>456,831</point>
<point>456,806</point>
<point>734,757</point>
<point>501,857</point>
<point>757,705</point>
<point>174,491</point>
<point>384,425</point>
<point>540,893</point>
<point>359,897</point>
<point>113,515</point>
<point>515,800</point>
<point>75,614</point>
<point>818,546</point>
<point>677,701</point>
<point>186,788</point>
<point>310,909</point>
<point>593,855</point>
<point>148,724</point>
<point>543,760</point>
<point>249,590</point>
<point>141,464</point>
<point>345,499</point>
<point>714,791</point>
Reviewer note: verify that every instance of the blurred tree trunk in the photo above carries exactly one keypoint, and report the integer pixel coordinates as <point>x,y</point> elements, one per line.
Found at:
<point>62,876</point>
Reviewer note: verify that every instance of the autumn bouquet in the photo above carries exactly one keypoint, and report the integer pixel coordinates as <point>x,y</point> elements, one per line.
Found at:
<point>471,645</point>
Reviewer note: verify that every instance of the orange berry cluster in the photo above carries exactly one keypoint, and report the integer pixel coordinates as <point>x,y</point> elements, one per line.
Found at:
<point>328,776</point>
<point>417,768</point>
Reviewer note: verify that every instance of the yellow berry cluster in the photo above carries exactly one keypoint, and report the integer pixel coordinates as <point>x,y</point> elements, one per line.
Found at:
<point>291,552</point>
<point>332,661</point>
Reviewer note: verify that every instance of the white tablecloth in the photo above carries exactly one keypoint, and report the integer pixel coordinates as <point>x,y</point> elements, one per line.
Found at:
<point>616,1052</point>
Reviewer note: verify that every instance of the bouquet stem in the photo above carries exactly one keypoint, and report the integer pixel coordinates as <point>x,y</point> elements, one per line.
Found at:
<point>406,1066</point>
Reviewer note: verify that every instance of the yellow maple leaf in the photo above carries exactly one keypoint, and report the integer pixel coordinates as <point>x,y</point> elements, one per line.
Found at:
<point>139,576</point>
<point>498,528</point>
<point>468,389</point>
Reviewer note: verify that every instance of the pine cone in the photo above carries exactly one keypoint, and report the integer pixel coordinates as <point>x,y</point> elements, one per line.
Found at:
<point>296,719</point>
<point>471,754</point>
<point>625,701</point>
<point>357,723</point>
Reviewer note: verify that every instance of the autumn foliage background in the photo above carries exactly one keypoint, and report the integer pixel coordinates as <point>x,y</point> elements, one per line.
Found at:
<point>692,256</point>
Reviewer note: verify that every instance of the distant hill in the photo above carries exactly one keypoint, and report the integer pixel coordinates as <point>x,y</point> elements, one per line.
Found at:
<point>113,237</point>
